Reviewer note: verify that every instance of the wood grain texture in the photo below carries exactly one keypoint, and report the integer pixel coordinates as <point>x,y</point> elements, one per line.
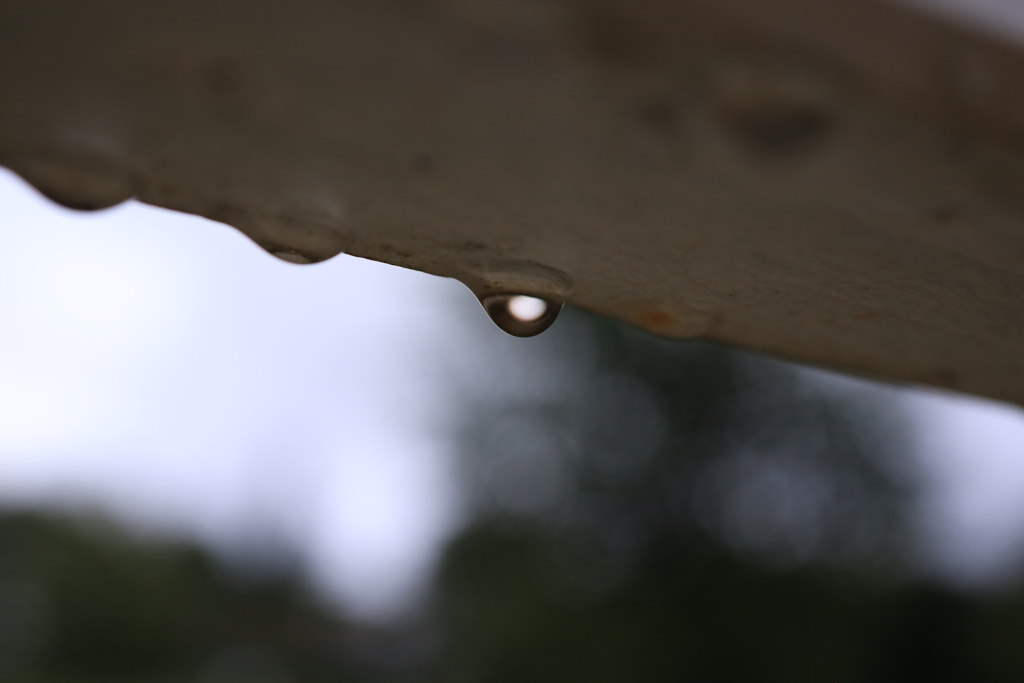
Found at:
<point>840,183</point>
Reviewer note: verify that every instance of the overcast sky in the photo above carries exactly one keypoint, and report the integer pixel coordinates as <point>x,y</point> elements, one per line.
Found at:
<point>164,366</point>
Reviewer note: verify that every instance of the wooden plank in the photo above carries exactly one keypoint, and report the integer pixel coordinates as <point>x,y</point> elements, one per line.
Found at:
<point>840,183</point>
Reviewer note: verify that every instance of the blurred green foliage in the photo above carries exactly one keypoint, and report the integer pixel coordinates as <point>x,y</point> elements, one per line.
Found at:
<point>684,512</point>
<point>657,511</point>
<point>81,602</point>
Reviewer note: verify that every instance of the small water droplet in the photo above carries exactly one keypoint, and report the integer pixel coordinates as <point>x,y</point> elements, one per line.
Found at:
<point>290,256</point>
<point>79,184</point>
<point>521,315</point>
<point>522,297</point>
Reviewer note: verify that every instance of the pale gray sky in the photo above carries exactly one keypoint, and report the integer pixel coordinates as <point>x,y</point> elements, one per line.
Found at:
<point>165,367</point>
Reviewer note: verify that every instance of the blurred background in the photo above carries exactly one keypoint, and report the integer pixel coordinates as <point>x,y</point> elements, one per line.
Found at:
<point>218,467</point>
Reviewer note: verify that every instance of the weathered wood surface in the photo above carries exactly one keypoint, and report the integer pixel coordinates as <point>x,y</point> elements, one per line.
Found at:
<point>836,182</point>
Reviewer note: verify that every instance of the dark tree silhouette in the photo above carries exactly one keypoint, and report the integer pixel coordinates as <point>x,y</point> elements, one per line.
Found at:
<point>684,512</point>
<point>655,511</point>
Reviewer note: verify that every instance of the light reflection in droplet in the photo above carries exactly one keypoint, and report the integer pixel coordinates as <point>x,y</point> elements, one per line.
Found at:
<point>521,315</point>
<point>527,308</point>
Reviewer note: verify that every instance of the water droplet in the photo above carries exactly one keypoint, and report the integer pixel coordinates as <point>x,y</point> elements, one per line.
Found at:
<point>522,297</point>
<point>775,107</point>
<point>79,184</point>
<point>521,315</point>
<point>290,256</point>
<point>300,239</point>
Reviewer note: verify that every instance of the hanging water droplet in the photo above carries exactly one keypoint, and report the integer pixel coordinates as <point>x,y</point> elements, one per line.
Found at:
<point>290,256</point>
<point>521,315</point>
<point>81,184</point>
<point>522,297</point>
